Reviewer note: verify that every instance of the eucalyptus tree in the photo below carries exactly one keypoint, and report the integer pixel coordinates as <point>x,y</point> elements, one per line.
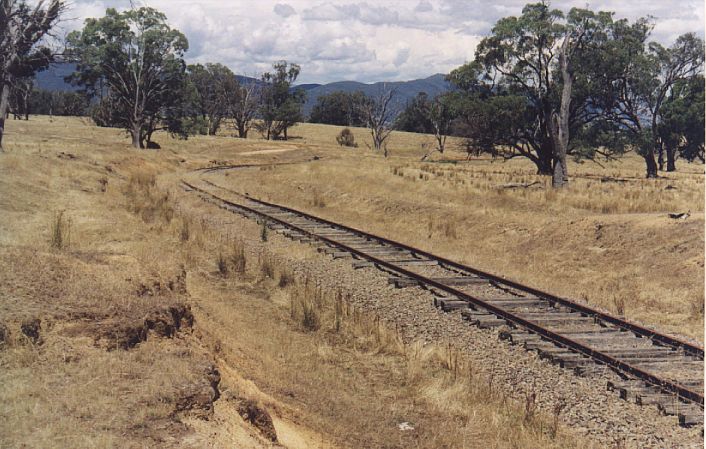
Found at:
<point>138,59</point>
<point>541,56</point>
<point>280,103</point>
<point>415,116</point>
<point>216,86</point>
<point>21,93</point>
<point>638,79</point>
<point>23,26</point>
<point>338,108</point>
<point>681,125</point>
<point>378,114</point>
<point>428,116</point>
<point>243,106</point>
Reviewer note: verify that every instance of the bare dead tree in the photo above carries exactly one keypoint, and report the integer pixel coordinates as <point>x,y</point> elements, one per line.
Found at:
<point>378,116</point>
<point>440,119</point>
<point>243,108</point>
<point>22,27</point>
<point>574,40</point>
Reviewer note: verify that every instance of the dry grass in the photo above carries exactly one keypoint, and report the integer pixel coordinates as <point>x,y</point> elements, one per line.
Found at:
<point>104,368</point>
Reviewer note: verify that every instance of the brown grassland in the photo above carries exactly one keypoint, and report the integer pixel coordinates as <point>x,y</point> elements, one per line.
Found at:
<point>160,328</point>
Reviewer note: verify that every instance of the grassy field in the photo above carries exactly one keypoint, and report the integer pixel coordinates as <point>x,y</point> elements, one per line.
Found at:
<point>115,319</point>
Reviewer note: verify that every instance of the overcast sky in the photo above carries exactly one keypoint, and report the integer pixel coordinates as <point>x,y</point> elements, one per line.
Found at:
<point>363,41</point>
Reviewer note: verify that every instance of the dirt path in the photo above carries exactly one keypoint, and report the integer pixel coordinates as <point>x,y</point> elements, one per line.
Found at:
<point>270,151</point>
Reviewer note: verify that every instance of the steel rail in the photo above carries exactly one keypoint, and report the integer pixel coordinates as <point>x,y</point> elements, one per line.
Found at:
<point>664,384</point>
<point>688,348</point>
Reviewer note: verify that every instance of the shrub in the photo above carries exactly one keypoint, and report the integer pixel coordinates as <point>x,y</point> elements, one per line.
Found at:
<point>346,138</point>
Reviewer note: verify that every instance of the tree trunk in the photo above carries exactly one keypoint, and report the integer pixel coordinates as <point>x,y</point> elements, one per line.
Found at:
<point>671,158</point>
<point>242,131</point>
<point>215,124</point>
<point>660,155</point>
<point>651,162</point>
<point>559,125</point>
<point>25,100</point>
<point>4,105</point>
<point>136,134</point>
<point>136,141</point>
<point>544,159</point>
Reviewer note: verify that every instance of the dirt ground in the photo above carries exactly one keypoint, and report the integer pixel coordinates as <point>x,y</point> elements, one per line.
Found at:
<point>127,319</point>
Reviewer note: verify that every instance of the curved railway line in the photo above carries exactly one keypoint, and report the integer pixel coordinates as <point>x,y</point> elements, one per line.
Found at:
<point>651,368</point>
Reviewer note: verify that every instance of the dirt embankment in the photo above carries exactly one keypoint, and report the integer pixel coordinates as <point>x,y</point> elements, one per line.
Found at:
<point>98,346</point>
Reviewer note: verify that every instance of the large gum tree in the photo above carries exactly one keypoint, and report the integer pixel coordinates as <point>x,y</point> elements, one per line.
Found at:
<point>135,60</point>
<point>540,62</point>
<point>639,78</point>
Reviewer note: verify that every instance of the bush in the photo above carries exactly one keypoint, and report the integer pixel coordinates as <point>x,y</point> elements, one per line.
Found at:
<point>346,138</point>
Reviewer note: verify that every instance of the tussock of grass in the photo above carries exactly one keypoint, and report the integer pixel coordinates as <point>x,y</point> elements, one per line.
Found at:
<point>148,201</point>
<point>60,231</point>
<point>264,231</point>
<point>266,264</point>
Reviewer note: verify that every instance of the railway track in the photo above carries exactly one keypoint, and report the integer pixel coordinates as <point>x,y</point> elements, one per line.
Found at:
<point>649,368</point>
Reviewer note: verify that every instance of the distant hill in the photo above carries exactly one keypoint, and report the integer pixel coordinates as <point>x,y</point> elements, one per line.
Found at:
<point>404,90</point>
<point>53,79</point>
<point>307,87</point>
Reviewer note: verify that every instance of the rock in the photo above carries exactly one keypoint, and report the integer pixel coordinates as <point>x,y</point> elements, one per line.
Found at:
<point>405,426</point>
<point>4,335</point>
<point>30,328</point>
<point>251,412</point>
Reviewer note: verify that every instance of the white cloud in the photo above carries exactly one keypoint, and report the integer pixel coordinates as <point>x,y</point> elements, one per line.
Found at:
<point>363,40</point>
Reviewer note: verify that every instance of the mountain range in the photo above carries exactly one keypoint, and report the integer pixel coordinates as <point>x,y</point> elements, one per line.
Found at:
<point>52,79</point>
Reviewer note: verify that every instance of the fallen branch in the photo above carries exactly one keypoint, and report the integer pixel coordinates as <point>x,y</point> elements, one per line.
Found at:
<point>519,185</point>
<point>680,216</point>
